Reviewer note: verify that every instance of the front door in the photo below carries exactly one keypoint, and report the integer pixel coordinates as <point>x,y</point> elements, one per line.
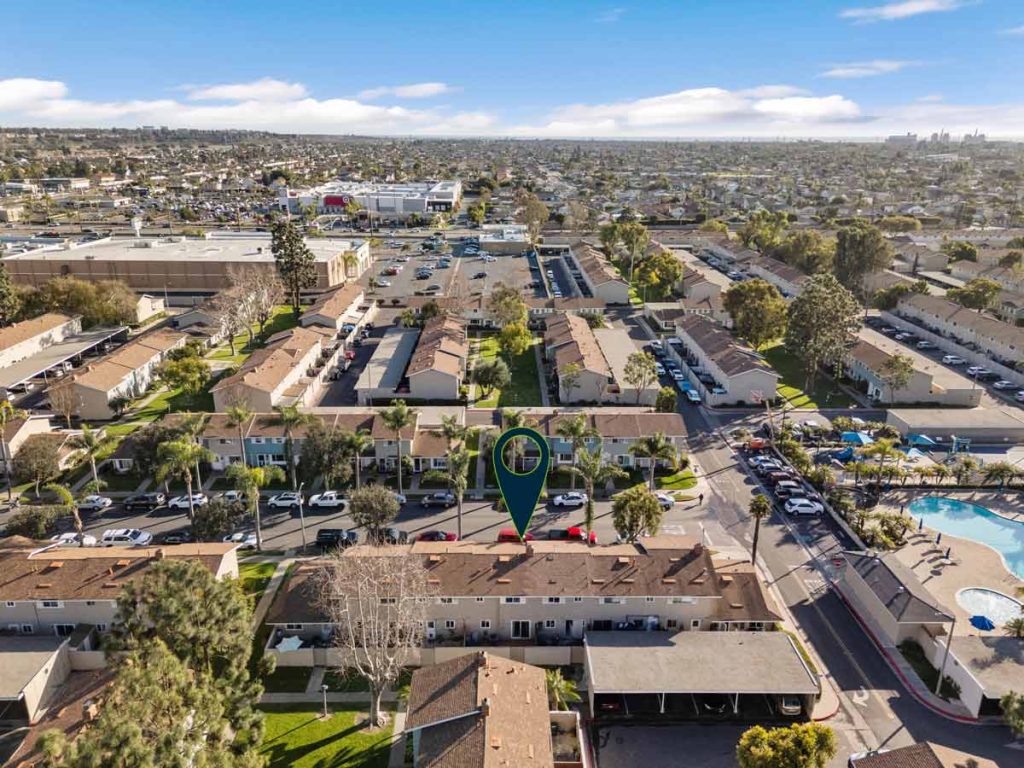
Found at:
<point>568,627</point>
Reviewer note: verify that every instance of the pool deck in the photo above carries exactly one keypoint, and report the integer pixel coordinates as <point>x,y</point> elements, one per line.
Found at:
<point>971,564</point>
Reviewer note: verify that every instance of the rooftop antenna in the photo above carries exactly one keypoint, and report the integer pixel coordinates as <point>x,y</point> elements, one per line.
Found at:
<point>137,226</point>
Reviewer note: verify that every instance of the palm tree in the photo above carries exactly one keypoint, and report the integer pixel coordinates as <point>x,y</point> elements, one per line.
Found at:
<point>1015,627</point>
<point>291,418</point>
<point>998,472</point>
<point>177,459</point>
<point>66,499</point>
<point>397,417</point>
<point>882,449</point>
<point>238,416</point>
<point>941,472</point>
<point>89,443</point>
<point>458,466</point>
<point>248,481</point>
<point>577,431</point>
<point>8,413</point>
<point>561,692</point>
<point>192,425</point>
<point>964,467</point>
<point>593,469</point>
<point>514,420</point>
<point>654,448</point>
<point>350,260</point>
<point>759,509</point>
<point>356,444</point>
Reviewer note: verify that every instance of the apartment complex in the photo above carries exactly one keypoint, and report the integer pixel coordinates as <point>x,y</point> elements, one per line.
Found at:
<point>179,267</point>
<point>127,372</point>
<point>601,278</point>
<point>722,370</point>
<point>789,280</point>
<point>29,337</point>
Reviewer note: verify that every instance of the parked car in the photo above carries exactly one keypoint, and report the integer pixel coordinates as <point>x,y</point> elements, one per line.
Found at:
<point>393,536</point>
<point>659,368</point>
<point>786,489</point>
<point>511,535</point>
<point>400,498</point>
<point>327,500</point>
<point>571,499</point>
<point>330,538</point>
<point>925,344</point>
<point>73,539</point>
<point>479,275</point>
<point>181,502</point>
<point>437,536</point>
<point>572,533</point>
<point>677,374</point>
<point>125,537</point>
<point>383,283</point>
<point>286,500</point>
<point>978,371</point>
<point>715,703</point>
<point>244,539</point>
<point>1019,397</point>
<point>144,501</point>
<point>232,497</point>
<point>95,503</point>
<point>953,360</point>
<point>799,505</point>
<point>790,706</point>
<point>665,500</point>
<point>182,536</point>
<point>1004,384</point>
<point>442,499</point>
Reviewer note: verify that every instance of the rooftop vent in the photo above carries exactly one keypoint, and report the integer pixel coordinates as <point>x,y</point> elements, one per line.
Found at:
<point>504,581</point>
<point>435,558</point>
<point>667,580</point>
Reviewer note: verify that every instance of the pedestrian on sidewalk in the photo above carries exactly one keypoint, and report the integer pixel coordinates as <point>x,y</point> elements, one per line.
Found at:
<point>700,499</point>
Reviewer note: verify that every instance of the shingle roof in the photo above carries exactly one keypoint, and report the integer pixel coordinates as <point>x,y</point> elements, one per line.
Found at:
<point>950,312</point>
<point>780,269</point>
<point>591,261</point>
<point>897,588</point>
<point>28,329</point>
<point>266,368</point>
<point>334,304</point>
<point>441,347</point>
<point>719,345</point>
<point>107,373</point>
<point>573,341</point>
<point>923,755</point>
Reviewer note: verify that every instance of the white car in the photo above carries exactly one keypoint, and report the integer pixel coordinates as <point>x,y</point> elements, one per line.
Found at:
<point>125,537</point>
<point>72,539</point>
<point>382,283</point>
<point>1019,397</point>
<point>571,499</point>
<point>287,500</point>
<point>232,497</point>
<point>1004,384</point>
<point>953,360</point>
<point>400,498</point>
<point>244,539</point>
<point>659,369</point>
<point>665,500</point>
<point>802,506</point>
<point>94,503</point>
<point>678,375</point>
<point>181,502</point>
<point>327,500</point>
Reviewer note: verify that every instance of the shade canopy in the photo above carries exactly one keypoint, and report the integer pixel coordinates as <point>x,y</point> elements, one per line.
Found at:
<point>857,438</point>
<point>922,440</point>
<point>983,623</point>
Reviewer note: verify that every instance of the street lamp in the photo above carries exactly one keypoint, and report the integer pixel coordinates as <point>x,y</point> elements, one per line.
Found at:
<point>302,523</point>
<point>323,690</point>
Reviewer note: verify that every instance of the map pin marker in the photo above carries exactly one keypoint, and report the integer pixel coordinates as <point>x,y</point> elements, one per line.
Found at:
<point>521,491</point>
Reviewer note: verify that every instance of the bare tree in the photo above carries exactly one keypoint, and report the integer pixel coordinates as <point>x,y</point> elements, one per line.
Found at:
<point>377,598</point>
<point>62,400</point>
<point>260,290</point>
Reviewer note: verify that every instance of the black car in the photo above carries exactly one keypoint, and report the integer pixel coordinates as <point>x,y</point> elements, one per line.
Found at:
<point>479,275</point>
<point>176,537</point>
<point>329,538</point>
<point>144,501</point>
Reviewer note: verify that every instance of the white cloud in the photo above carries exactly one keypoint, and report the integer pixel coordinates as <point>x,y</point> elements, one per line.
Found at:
<point>22,92</point>
<point>414,91</point>
<point>902,10</point>
<point>266,89</point>
<point>1014,31</point>
<point>609,16</point>
<point>931,98</point>
<point>866,68</point>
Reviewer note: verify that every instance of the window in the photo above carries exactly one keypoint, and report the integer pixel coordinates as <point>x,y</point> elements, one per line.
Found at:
<point>293,627</point>
<point>601,625</point>
<point>480,599</point>
<point>520,630</point>
<point>553,600</point>
<point>101,627</point>
<point>90,602</point>
<point>388,601</point>
<point>611,600</point>
<point>549,623</point>
<point>577,599</point>
<point>648,599</point>
<point>51,604</point>
<point>485,624</point>
<point>512,600</point>
<point>257,441</point>
<point>447,600</point>
<point>278,440</point>
<point>27,629</point>
<point>671,623</point>
<point>63,630</point>
<point>10,603</point>
<point>449,623</point>
<point>694,623</point>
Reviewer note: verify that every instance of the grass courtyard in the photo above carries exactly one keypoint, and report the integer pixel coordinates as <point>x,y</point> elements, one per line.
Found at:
<point>296,737</point>
<point>791,381</point>
<point>524,389</point>
<point>255,577</point>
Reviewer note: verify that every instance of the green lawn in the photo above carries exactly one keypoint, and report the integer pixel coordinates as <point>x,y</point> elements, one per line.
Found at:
<point>680,481</point>
<point>473,449</point>
<point>351,681</point>
<point>255,577</point>
<point>174,401</point>
<point>791,381</point>
<point>112,481</point>
<point>282,319</point>
<point>295,737</point>
<point>287,680</point>
<point>524,389</point>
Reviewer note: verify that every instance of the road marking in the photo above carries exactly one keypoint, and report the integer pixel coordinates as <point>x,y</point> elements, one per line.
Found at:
<point>861,697</point>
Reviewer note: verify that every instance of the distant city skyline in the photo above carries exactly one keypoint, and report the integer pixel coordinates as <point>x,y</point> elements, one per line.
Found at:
<point>830,69</point>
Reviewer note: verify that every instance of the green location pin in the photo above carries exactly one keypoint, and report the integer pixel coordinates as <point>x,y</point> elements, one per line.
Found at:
<point>521,490</point>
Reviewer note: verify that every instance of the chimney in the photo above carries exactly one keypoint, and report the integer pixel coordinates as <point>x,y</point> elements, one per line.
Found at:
<point>529,550</point>
<point>159,554</point>
<point>485,708</point>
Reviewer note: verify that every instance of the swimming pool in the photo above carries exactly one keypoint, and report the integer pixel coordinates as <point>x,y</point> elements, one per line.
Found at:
<point>978,601</point>
<point>969,521</point>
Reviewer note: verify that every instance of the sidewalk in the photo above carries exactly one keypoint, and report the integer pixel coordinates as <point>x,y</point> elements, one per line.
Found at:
<point>359,697</point>
<point>268,594</point>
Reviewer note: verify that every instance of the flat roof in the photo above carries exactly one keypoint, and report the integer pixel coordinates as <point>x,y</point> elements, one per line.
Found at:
<point>946,420</point>
<point>72,346</point>
<point>697,662</point>
<point>997,662</point>
<point>21,659</point>
<point>217,249</point>
<point>389,361</point>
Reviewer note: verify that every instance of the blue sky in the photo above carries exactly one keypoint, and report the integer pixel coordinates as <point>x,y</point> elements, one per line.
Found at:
<point>556,68</point>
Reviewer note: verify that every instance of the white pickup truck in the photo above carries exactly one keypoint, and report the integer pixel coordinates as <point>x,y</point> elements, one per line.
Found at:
<point>327,500</point>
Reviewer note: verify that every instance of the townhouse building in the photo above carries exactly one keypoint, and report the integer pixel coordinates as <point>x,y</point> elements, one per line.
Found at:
<point>22,340</point>
<point>723,371</point>
<point>867,362</point>
<point>127,372</point>
<point>601,279</point>
<point>291,370</point>
<point>1001,342</point>
<point>17,431</point>
<point>336,308</point>
<point>789,280</point>
<point>1010,278</point>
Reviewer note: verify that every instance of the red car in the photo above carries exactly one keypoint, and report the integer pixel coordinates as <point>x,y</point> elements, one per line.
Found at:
<point>437,536</point>
<point>512,536</point>
<point>572,533</point>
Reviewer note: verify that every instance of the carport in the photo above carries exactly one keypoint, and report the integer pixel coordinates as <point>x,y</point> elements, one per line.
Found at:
<point>659,671</point>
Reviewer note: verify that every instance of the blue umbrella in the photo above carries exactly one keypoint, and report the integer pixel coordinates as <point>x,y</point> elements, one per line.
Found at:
<point>857,438</point>
<point>984,623</point>
<point>920,440</point>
